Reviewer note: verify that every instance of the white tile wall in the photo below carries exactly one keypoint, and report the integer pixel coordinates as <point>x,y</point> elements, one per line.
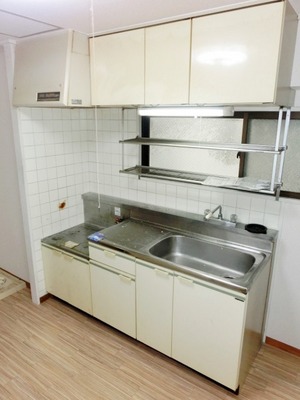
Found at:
<point>55,147</point>
<point>67,152</point>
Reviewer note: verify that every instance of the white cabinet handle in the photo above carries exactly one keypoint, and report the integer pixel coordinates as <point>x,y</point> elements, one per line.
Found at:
<point>125,279</point>
<point>161,273</point>
<point>67,257</point>
<point>109,254</point>
<point>185,281</point>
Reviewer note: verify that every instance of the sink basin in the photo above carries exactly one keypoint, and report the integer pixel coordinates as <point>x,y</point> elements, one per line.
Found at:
<point>205,257</point>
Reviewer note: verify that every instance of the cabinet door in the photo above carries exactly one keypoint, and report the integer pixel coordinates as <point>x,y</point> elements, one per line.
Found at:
<point>167,63</point>
<point>117,68</point>
<point>154,298</point>
<point>208,331</point>
<point>113,297</point>
<point>235,55</point>
<point>68,278</point>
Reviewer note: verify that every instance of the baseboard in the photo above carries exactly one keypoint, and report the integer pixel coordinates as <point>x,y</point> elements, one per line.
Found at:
<point>283,346</point>
<point>45,297</point>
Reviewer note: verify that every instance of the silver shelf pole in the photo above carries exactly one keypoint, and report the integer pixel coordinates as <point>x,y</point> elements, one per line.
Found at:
<point>284,143</point>
<point>275,159</point>
<point>123,130</point>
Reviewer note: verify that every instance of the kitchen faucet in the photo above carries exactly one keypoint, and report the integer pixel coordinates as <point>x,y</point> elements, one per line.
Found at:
<point>209,214</point>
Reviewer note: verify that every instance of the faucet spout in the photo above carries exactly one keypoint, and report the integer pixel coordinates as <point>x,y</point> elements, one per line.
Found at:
<point>210,213</point>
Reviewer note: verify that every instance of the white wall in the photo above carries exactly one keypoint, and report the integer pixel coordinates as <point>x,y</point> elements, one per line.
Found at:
<point>283,322</point>
<point>13,256</point>
<point>60,160</point>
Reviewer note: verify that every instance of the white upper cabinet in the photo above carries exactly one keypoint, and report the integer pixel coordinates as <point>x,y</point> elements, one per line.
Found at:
<point>296,70</point>
<point>52,70</point>
<point>117,68</point>
<point>244,56</point>
<point>167,63</point>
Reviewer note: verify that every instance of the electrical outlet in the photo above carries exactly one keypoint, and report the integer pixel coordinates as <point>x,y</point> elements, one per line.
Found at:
<point>117,212</point>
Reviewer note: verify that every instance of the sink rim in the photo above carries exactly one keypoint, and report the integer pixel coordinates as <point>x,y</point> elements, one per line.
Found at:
<point>242,279</point>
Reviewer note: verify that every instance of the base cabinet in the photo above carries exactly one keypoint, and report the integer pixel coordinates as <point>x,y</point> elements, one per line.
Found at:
<point>113,289</point>
<point>211,329</point>
<point>68,277</point>
<point>154,300</point>
<point>208,328</point>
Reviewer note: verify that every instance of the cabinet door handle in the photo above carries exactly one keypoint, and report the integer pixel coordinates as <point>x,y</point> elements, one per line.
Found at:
<point>185,281</point>
<point>109,254</point>
<point>159,272</point>
<point>67,257</point>
<point>125,279</point>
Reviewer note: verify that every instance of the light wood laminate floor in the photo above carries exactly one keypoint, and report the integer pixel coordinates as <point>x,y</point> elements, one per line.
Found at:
<point>53,351</point>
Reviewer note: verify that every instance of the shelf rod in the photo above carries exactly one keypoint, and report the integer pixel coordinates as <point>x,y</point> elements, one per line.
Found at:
<point>166,174</point>
<point>244,148</point>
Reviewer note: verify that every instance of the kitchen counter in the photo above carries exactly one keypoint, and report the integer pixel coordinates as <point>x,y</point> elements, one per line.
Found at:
<point>146,227</point>
<point>135,237</point>
<point>77,234</point>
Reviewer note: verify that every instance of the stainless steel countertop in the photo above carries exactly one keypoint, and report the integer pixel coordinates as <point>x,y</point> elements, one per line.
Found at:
<point>135,237</point>
<point>77,234</point>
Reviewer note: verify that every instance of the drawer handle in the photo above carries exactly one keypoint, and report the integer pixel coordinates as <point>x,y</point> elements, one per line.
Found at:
<point>125,279</point>
<point>185,281</point>
<point>109,254</point>
<point>161,273</point>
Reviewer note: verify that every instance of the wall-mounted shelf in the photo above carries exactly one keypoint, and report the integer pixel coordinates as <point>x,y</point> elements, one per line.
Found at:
<point>277,151</point>
<point>246,184</point>
<point>244,148</point>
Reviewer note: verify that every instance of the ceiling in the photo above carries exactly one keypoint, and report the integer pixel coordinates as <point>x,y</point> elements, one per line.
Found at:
<point>22,18</point>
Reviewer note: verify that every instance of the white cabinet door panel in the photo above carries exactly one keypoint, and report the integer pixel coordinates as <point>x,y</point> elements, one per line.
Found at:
<point>113,297</point>
<point>208,330</point>
<point>117,68</point>
<point>235,55</point>
<point>154,297</point>
<point>167,63</point>
<point>68,278</point>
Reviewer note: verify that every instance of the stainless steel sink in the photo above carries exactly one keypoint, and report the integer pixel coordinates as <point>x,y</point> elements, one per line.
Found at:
<point>206,257</point>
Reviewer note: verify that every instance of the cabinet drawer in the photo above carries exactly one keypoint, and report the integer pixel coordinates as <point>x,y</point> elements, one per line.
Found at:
<point>113,258</point>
